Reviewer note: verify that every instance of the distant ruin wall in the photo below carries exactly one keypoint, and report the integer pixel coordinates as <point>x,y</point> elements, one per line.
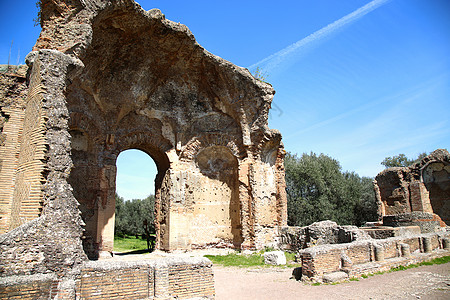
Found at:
<point>421,187</point>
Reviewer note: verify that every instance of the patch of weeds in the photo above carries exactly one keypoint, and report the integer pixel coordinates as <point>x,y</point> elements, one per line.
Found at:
<point>335,283</point>
<point>365,276</point>
<point>316,284</point>
<point>290,256</point>
<point>441,260</point>
<point>353,279</point>
<point>398,268</point>
<point>252,260</point>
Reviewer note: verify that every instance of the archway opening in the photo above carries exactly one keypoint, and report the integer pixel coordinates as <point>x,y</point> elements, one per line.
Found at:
<point>134,227</point>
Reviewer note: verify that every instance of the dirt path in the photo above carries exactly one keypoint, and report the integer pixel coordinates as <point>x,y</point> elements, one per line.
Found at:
<point>426,282</point>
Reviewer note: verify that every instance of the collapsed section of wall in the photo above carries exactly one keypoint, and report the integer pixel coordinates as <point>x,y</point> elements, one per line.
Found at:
<point>108,76</point>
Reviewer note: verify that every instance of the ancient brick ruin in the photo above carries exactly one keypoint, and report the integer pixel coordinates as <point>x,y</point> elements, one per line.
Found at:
<point>107,76</point>
<point>416,195</point>
<point>330,252</point>
<point>414,209</point>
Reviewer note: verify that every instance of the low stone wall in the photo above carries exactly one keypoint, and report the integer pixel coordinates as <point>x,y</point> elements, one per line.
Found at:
<point>384,232</point>
<point>180,278</point>
<point>368,256</point>
<point>293,238</point>
<point>428,222</point>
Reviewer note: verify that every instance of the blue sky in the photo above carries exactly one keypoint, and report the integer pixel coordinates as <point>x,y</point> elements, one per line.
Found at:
<point>357,80</point>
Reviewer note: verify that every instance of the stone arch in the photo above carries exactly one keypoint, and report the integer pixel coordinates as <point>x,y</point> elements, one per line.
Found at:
<point>197,144</point>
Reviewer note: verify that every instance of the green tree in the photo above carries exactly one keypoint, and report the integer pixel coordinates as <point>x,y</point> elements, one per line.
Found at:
<point>130,215</point>
<point>401,160</point>
<point>318,190</point>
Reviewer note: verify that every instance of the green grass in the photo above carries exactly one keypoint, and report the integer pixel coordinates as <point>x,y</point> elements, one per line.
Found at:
<point>129,243</point>
<point>290,256</point>
<point>237,260</point>
<point>252,260</point>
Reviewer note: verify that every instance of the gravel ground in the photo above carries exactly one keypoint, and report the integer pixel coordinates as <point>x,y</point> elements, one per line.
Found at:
<point>425,282</point>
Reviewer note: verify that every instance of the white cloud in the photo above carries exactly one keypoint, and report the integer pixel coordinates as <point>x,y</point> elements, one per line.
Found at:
<point>270,63</point>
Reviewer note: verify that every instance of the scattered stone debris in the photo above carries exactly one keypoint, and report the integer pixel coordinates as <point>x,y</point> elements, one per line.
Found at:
<point>334,277</point>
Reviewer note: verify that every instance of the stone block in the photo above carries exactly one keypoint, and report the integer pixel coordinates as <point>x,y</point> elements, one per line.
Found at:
<point>334,277</point>
<point>275,258</point>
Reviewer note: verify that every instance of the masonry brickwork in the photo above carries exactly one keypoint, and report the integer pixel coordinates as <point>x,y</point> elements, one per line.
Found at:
<point>371,256</point>
<point>171,278</point>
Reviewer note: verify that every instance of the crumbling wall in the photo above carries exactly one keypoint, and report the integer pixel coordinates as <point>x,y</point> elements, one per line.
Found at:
<point>421,187</point>
<point>295,238</point>
<point>52,241</point>
<point>371,256</point>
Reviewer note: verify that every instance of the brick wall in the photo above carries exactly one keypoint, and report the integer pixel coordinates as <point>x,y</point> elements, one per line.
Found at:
<point>359,253</point>
<point>414,243</point>
<point>28,287</point>
<point>27,203</point>
<point>187,281</point>
<point>125,283</point>
<point>164,278</point>
<point>13,93</point>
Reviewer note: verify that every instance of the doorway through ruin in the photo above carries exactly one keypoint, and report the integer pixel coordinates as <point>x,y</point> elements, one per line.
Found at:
<point>136,172</point>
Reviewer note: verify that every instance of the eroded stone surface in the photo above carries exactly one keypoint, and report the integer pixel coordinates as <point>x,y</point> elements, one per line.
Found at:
<point>274,258</point>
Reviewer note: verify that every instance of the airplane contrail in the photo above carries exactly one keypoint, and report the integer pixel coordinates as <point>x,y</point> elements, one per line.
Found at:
<point>277,58</point>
